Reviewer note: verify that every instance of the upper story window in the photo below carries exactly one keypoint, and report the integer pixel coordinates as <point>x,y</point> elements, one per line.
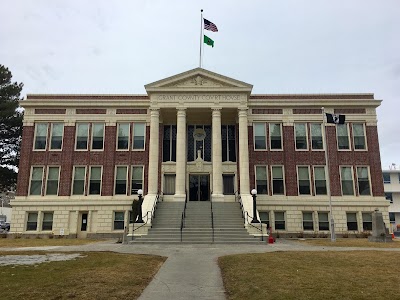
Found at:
<point>301,136</point>
<point>304,180</point>
<point>40,136</point>
<point>260,136</point>
<point>346,175</point>
<point>137,179</point>
<point>386,177</point>
<point>359,137</point>
<point>262,180</point>
<point>56,139</point>
<point>320,181</point>
<point>78,185</point>
<point>275,136</point>
<point>342,132</point>
<point>138,136</point>
<point>53,174</point>
<point>169,143</point>
<point>364,187</point>
<point>82,136</point>
<point>278,182</point>
<point>121,176</point>
<point>317,142</point>
<point>228,143</point>
<point>95,180</point>
<point>97,136</point>
<point>36,181</point>
<point>389,197</point>
<point>123,136</point>
<point>42,133</point>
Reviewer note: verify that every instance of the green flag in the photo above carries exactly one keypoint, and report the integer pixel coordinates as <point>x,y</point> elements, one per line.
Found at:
<point>208,41</point>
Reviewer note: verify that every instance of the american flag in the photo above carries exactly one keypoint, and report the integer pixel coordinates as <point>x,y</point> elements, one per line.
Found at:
<point>210,26</point>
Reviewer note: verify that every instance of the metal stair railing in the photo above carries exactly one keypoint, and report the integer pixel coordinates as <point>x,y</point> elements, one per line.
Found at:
<point>183,217</point>
<point>212,222</point>
<point>149,216</point>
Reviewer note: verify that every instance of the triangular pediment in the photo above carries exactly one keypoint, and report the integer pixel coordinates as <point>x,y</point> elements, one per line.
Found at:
<point>198,79</point>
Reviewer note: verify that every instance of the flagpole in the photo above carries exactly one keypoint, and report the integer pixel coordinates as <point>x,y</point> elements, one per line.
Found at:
<point>328,181</point>
<point>201,34</point>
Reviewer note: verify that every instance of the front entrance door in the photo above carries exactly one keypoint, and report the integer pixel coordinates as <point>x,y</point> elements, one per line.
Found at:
<point>83,224</point>
<point>199,187</point>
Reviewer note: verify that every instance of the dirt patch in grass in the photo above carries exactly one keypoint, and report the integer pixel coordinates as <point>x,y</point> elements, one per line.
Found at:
<point>312,275</point>
<point>96,275</point>
<point>351,243</point>
<point>22,242</point>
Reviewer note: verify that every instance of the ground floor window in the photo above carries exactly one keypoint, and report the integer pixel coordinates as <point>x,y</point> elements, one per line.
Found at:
<point>323,221</point>
<point>169,184</point>
<point>352,221</point>
<point>392,217</point>
<point>367,221</point>
<point>308,223</point>
<point>47,223</point>
<point>118,220</point>
<point>264,218</point>
<point>31,224</point>
<point>280,220</point>
<point>229,184</point>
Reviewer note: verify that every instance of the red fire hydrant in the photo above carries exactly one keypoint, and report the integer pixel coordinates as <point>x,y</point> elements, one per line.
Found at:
<point>271,239</point>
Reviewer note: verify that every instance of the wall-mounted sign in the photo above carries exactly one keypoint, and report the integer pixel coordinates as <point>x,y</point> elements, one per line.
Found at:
<point>199,134</point>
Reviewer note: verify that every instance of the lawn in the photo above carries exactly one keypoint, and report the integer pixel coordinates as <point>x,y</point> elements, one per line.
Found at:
<point>312,275</point>
<point>343,242</point>
<point>22,242</point>
<point>96,275</point>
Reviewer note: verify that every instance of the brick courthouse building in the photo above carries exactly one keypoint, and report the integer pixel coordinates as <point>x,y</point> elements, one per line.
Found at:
<point>201,136</point>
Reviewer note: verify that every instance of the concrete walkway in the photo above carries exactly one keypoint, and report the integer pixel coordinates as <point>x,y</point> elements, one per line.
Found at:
<point>191,271</point>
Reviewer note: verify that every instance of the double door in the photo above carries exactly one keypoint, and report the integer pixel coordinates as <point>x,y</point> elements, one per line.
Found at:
<point>199,187</point>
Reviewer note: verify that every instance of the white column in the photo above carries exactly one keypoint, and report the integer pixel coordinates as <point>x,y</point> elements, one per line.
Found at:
<point>153,151</point>
<point>244,153</point>
<point>216,155</point>
<point>180,185</point>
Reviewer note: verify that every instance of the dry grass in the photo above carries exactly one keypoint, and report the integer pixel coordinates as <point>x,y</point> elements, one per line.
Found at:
<point>312,275</point>
<point>98,275</point>
<point>351,243</point>
<point>22,242</point>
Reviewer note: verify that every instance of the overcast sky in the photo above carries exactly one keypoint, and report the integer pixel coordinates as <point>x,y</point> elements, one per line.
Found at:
<point>297,46</point>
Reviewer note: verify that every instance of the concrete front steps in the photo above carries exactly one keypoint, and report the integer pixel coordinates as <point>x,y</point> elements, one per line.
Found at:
<point>228,224</point>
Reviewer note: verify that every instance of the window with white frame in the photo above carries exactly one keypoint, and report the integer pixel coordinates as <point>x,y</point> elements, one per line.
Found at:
<point>123,136</point>
<point>260,136</point>
<point>78,185</point>
<point>47,222</point>
<point>137,179</point>
<point>228,182</point>
<point>228,133</point>
<point>262,180</point>
<point>138,136</point>
<point>320,181</point>
<point>323,221</point>
<point>40,136</point>
<point>53,174</point>
<point>389,197</point>
<point>386,177</point>
<point>95,181</point>
<point>367,221</point>
<point>342,132</point>
<point>280,220</point>
<point>121,176</point>
<point>169,143</point>
<point>275,136</point>
<point>304,180</point>
<point>359,136</point>
<point>300,130</point>
<point>97,136</point>
<point>119,220</point>
<point>31,223</point>
<point>36,181</point>
<point>264,218</point>
<point>317,141</point>
<point>56,138</point>
<point>82,136</point>
<point>346,175</point>
<point>169,184</point>
<point>278,183</point>
<point>363,181</point>
<point>308,222</point>
<point>351,221</point>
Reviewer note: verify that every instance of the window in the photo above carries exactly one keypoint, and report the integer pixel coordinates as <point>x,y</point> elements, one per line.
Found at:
<point>95,181</point>
<point>301,136</point>
<point>359,137</point>
<point>392,217</point>
<point>119,220</point>
<point>138,136</point>
<point>169,143</point>
<point>169,184</point>
<point>228,143</point>
<point>352,221</point>
<point>264,218</point>
<point>275,136</point>
<point>280,220</point>
<point>36,181</point>
<point>82,136</point>
<point>367,221</point>
<point>137,179</point>
<point>261,180</point>
<point>389,197</point>
<point>278,186</point>
<point>203,144</point>
<point>52,180</point>
<point>320,181</point>
<point>120,180</point>
<point>40,136</point>
<point>342,137</point>
<point>78,186</point>
<point>386,177</point>
<point>316,137</point>
<point>123,136</point>
<point>228,183</point>
<point>57,130</point>
<point>346,174</point>
<point>363,181</point>
<point>303,180</point>
<point>260,141</point>
<point>47,223</point>
<point>31,224</point>
<point>308,223</point>
<point>323,221</point>
<point>97,136</point>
